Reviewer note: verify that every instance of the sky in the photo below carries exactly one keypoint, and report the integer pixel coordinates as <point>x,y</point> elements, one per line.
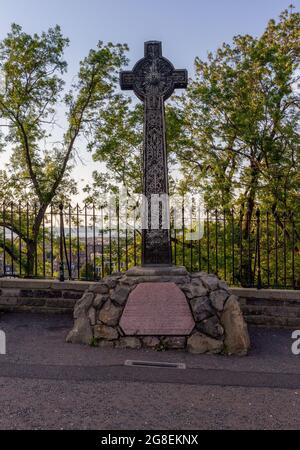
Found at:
<point>187,28</point>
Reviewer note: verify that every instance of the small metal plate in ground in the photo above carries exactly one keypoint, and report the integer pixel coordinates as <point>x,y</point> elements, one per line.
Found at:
<point>157,365</point>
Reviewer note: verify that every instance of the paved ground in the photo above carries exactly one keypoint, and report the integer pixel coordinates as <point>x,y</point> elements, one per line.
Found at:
<point>48,384</point>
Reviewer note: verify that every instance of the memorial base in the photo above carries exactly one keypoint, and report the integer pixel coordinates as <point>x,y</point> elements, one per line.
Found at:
<point>161,308</point>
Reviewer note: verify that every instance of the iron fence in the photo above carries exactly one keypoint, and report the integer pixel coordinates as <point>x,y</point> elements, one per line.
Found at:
<point>254,249</point>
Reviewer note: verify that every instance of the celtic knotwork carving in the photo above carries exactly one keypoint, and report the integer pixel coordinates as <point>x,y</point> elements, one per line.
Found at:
<point>156,244</point>
<point>153,76</point>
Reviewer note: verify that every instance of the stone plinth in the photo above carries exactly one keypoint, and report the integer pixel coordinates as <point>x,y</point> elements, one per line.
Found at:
<point>157,309</point>
<point>151,271</point>
<point>161,308</point>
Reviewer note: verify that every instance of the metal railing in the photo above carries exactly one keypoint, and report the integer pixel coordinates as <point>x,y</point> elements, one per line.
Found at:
<point>258,249</point>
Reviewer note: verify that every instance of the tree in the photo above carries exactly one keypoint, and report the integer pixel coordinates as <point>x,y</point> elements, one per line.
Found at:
<point>241,129</point>
<point>241,113</point>
<point>118,142</point>
<point>33,89</point>
<point>119,145</point>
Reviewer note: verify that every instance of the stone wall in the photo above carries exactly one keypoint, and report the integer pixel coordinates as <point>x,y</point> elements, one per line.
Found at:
<point>270,307</point>
<point>264,307</point>
<point>40,295</point>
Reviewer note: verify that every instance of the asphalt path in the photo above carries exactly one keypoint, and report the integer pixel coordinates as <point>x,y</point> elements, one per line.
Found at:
<point>46,383</point>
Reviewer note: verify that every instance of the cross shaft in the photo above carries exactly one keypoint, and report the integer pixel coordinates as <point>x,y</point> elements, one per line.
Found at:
<point>153,80</point>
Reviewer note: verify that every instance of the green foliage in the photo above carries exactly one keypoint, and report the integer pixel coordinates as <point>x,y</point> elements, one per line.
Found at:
<point>242,120</point>
<point>94,342</point>
<point>118,143</point>
<point>234,134</point>
<point>31,98</point>
<point>87,272</point>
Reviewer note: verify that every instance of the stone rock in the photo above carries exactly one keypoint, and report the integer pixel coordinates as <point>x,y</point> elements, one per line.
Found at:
<point>218,299</point>
<point>211,282</point>
<point>112,280</point>
<point>194,290</point>
<point>174,342</point>
<point>81,332</point>
<point>110,314</point>
<point>151,342</point>
<point>199,343</point>
<point>237,341</point>
<point>223,285</point>
<point>83,305</point>
<point>116,275</point>
<point>120,294</point>
<point>197,274</point>
<point>181,280</point>
<point>129,342</point>
<point>203,274</point>
<point>196,281</point>
<point>99,300</point>
<point>92,316</point>
<point>105,332</point>
<point>172,271</point>
<point>130,281</point>
<point>201,308</point>
<point>211,327</point>
<point>99,288</point>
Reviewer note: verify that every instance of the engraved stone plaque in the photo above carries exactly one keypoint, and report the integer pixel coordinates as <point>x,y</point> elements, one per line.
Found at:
<point>157,309</point>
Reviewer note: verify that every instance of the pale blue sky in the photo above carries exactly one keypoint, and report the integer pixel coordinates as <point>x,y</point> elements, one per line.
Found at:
<point>187,28</point>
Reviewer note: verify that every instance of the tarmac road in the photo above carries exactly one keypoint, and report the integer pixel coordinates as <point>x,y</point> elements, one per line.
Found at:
<point>48,384</point>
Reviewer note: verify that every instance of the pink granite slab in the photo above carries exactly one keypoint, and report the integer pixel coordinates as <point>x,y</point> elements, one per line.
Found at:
<point>157,309</point>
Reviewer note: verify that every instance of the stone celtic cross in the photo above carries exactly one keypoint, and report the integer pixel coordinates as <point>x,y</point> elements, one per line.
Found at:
<point>153,79</point>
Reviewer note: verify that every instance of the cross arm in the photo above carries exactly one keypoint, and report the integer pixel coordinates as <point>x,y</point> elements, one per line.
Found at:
<point>126,80</point>
<point>180,78</point>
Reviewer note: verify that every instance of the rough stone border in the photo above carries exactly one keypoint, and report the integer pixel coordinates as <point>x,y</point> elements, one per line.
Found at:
<point>219,323</point>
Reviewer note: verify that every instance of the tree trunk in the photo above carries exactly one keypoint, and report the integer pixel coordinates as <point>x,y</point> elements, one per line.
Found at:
<point>247,275</point>
<point>250,197</point>
<point>32,243</point>
<point>31,251</point>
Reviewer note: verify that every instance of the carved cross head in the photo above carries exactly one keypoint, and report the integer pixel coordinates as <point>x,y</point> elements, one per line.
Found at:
<point>153,75</point>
